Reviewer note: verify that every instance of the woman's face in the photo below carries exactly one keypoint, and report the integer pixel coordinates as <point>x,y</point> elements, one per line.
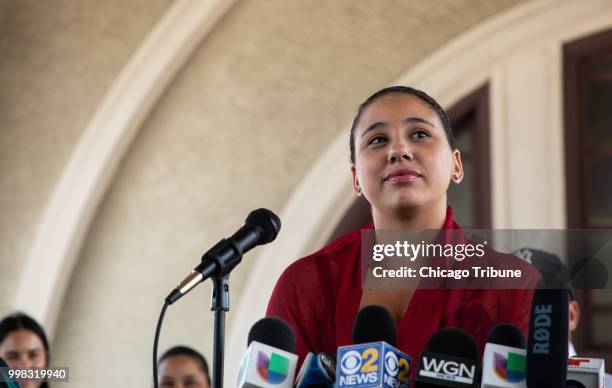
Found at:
<point>181,371</point>
<point>24,349</point>
<point>402,158</point>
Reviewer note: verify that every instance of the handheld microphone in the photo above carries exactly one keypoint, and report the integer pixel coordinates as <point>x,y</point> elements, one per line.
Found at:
<point>585,372</point>
<point>318,371</point>
<point>450,359</point>
<point>546,364</point>
<point>260,227</point>
<point>269,360</point>
<point>376,363</point>
<point>503,363</point>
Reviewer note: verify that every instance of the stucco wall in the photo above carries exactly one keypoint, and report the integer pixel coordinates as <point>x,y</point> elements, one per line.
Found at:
<point>57,62</point>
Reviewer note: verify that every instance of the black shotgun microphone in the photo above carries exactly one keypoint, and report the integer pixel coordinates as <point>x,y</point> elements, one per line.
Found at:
<point>546,365</point>
<point>260,227</point>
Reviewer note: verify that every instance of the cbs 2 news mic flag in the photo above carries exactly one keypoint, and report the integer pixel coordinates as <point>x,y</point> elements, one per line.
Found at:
<point>447,371</point>
<point>266,366</point>
<point>374,364</point>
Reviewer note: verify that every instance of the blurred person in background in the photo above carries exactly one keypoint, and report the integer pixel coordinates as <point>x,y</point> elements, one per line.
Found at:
<point>182,367</point>
<point>23,344</point>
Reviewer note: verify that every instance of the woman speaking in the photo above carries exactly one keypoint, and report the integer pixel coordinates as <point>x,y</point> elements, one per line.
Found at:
<point>403,159</point>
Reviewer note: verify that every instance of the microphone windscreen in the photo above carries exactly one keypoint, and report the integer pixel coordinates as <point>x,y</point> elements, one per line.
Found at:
<point>267,222</point>
<point>275,332</point>
<point>453,341</point>
<point>546,364</point>
<point>373,324</point>
<point>508,335</point>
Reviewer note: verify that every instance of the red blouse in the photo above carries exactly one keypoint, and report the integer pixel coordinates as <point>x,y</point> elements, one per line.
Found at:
<point>319,295</point>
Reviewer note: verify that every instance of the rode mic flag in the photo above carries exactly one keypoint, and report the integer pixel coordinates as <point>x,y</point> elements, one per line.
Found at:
<point>450,359</point>
<point>585,372</point>
<point>318,370</point>
<point>376,363</point>
<point>503,363</point>
<point>269,360</point>
<point>546,365</point>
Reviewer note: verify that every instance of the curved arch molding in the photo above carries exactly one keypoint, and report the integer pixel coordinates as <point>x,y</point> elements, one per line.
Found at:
<point>108,135</point>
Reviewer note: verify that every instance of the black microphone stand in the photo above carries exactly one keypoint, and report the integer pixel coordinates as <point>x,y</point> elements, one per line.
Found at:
<point>219,304</point>
<point>260,227</point>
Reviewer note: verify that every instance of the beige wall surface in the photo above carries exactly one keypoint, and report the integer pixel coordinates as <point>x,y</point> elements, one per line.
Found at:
<point>57,62</point>
<point>3,6</point>
<point>260,100</point>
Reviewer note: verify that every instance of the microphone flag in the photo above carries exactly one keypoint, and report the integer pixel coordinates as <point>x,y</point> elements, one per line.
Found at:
<point>373,364</point>
<point>587,371</point>
<point>443,370</point>
<point>503,367</point>
<point>266,366</point>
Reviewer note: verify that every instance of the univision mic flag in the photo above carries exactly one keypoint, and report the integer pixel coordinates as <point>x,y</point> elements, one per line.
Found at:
<point>266,366</point>
<point>374,364</point>
<point>503,367</point>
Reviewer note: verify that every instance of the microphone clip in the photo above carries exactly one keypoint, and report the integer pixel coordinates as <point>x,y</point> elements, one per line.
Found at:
<point>225,255</point>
